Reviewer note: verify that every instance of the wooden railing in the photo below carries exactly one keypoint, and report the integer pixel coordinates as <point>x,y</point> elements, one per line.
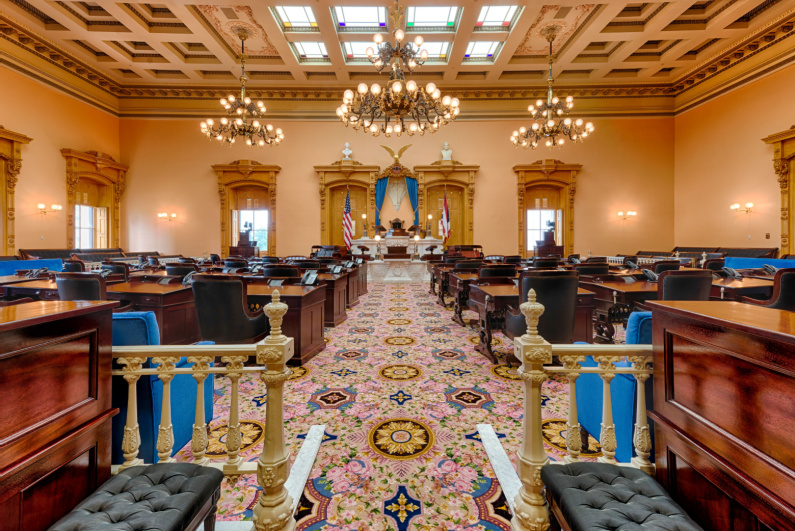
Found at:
<point>275,507</point>
<point>536,355</point>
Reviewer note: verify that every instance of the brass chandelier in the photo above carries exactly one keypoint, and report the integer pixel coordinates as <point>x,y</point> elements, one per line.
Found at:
<point>549,125</point>
<point>244,113</point>
<point>401,106</point>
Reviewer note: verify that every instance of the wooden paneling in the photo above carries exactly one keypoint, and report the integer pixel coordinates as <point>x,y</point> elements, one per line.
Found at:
<point>337,196</point>
<point>455,205</point>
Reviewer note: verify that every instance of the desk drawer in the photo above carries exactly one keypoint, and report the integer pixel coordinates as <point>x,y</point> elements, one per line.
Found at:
<point>149,300</point>
<point>48,295</point>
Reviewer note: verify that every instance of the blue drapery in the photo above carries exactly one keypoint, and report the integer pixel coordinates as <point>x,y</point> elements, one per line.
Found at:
<point>380,194</point>
<point>414,197</point>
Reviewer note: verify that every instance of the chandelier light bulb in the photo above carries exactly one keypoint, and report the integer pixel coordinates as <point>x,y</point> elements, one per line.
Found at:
<point>535,127</point>
<point>389,129</point>
<point>749,205</point>
<point>423,54</point>
<point>398,129</point>
<point>239,121</point>
<point>255,123</point>
<point>413,128</point>
<point>369,51</point>
<point>378,38</point>
<point>399,34</point>
<point>248,141</point>
<point>362,88</point>
<point>223,101</point>
<point>620,214</point>
<point>418,41</point>
<point>203,125</point>
<point>239,110</point>
<point>247,100</point>
<point>373,128</point>
<point>224,121</point>
<point>231,97</point>
<point>411,86</point>
<point>269,127</point>
<point>436,94</point>
<point>397,86</point>
<point>348,95</point>
<point>555,100</point>
<point>279,132</point>
<point>261,105</point>
<point>412,64</point>
<point>455,103</point>
<point>375,88</point>
<point>446,100</point>
<point>430,87</point>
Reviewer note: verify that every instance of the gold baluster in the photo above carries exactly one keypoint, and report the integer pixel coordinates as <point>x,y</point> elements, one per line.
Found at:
<point>165,436</point>
<point>234,366</point>
<point>132,434</point>
<point>607,437</point>
<point>573,439</point>
<point>198,442</point>
<point>642,437</point>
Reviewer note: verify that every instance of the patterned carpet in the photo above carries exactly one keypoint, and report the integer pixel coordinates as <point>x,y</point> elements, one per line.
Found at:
<point>400,389</point>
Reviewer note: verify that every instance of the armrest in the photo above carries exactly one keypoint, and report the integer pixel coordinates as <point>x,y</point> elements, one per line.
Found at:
<point>641,307</point>
<point>513,312</point>
<point>751,300</point>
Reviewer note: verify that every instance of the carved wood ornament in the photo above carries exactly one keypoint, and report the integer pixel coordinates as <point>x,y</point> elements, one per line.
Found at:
<point>105,172</point>
<point>548,172</point>
<point>11,154</point>
<point>784,166</point>
<point>340,174</point>
<point>452,174</point>
<point>244,173</point>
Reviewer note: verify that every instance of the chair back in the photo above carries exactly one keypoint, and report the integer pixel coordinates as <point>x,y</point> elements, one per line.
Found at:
<point>328,261</point>
<point>235,263</point>
<point>545,262</point>
<point>117,268</point>
<point>714,264</point>
<point>592,269</point>
<point>281,270</point>
<point>152,261</point>
<point>73,266</point>
<point>577,256</point>
<point>451,259</point>
<point>186,260</point>
<point>135,328</point>
<point>666,265</point>
<point>215,258</point>
<point>512,259</point>
<point>496,271</point>
<point>557,291</point>
<point>180,270</point>
<point>467,264</point>
<point>595,259</point>
<point>221,306</point>
<point>783,297</point>
<point>633,259</point>
<point>307,264</point>
<point>676,285</point>
<point>269,259</point>
<point>80,287</point>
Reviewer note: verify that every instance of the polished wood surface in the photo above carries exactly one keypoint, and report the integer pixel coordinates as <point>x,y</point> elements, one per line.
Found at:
<point>614,299</point>
<point>734,289</point>
<point>336,294</point>
<point>305,315</point>
<point>353,285</point>
<point>12,279</point>
<point>55,424</point>
<point>724,403</point>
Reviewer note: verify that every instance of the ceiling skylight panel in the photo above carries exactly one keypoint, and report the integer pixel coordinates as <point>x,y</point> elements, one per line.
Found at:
<point>482,49</point>
<point>436,50</point>
<point>357,50</point>
<point>431,16</point>
<point>297,16</point>
<point>496,15</point>
<point>362,17</point>
<point>311,50</point>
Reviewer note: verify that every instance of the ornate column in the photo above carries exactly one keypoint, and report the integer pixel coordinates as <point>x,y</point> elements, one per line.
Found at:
<point>274,510</point>
<point>783,154</point>
<point>11,152</point>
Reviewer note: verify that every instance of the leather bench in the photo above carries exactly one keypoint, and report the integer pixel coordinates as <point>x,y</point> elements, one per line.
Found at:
<point>161,497</point>
<point>599,496</point>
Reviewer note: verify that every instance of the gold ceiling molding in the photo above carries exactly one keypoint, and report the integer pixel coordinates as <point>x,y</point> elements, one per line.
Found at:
<point>11,154</point>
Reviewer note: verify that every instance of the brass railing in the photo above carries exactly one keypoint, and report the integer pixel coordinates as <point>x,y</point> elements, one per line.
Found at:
<point>274,509</point>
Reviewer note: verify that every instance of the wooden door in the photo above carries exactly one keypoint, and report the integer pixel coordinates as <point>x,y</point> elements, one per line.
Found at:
<point>358,207</point>
<point>455,206</point>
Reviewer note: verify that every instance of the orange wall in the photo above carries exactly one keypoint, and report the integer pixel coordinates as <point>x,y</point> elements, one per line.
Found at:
<point>721,160</point>
<point>54,121</point>
<point>627,165</point>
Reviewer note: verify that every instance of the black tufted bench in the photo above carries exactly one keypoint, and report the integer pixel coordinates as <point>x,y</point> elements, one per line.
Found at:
<point>599,496</point>
<point>162,497</point>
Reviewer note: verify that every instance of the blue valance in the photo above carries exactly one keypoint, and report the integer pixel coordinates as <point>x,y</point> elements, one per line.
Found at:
<point>380,194</point>
<point>414,196</point>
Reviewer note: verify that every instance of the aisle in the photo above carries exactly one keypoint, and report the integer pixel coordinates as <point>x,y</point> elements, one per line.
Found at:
<point>400,390</point>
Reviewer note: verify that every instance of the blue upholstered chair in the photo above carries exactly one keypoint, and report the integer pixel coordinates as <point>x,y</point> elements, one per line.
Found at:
<point>622,390</point>
<point>140,328</point>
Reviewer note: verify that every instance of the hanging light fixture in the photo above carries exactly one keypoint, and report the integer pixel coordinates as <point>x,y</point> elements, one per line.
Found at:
<point>550,127</point>
<point>401,106</point>
<point>244,113</point>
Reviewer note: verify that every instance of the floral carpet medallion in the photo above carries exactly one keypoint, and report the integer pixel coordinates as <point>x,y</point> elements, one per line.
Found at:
<point>401,451</point>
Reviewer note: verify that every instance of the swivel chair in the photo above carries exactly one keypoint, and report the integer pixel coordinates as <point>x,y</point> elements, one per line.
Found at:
<point>152,261</point>
<point>185,260</point>
<point>214,258</point>
<point>783,297</point>
<point>681,286</point>
<point>307,264</point>
<point>231,263</point>
<point>714,264</point>
<point>81,287</point>
<point>596,259</point>
<point>666,265</point>
<point>281,270</point>
<point>464,265</point>
<point>269,259</point>
<point>223,311</point>
<point>181,270</point>
<point>73,266</point>
<point>513,259</point>
<point>496,274</point>
<point>592,268</point>
<point>117,268</point>
<point>557,291</point>
<point>545,262</point>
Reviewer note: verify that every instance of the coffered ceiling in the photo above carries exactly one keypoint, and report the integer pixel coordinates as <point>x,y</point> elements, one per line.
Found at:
<point>138,49</point>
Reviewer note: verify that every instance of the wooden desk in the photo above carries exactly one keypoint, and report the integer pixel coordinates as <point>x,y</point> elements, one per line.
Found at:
<point>458,286</point>
<point>441,274</point>
<point>172,304</point>
<point>353,286</point>
<point>43,289</point>
<point>305,315</point>
<point>13,279</point>
<point>55,429</point>
<point>614,300</point>
<point>724,403</point>
<point>362,278</point>
<point>336,296</point>
<point>245,251</point>
<point>491,303</point>
<point>758,288</point>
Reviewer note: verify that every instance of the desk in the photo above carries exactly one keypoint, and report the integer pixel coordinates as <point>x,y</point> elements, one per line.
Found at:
<point>440,272</point>
<point>362,278</point>
<point>55,423</point>
<point>172,305</point>
<point>304,318</point>
<point>336,296</point>
<point>245,251</point>
<point>14,279</point>
<point>734,289</point>
<point>614,300</point>
<point>724,396</point>
<point>458,286</point>
<point>431,268</point>
<point>491,303</point>
<point>353,285</point>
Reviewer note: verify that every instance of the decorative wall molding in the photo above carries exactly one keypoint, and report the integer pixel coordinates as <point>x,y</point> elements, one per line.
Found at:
<point>452,174</point>
<point>241,173</point>
<point>784,167</point>
<point>348,173</point>
<point>11,154</point>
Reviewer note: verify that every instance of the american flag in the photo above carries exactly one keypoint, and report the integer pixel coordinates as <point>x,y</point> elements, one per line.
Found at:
<point>445,219</point>
<point>347,224</point>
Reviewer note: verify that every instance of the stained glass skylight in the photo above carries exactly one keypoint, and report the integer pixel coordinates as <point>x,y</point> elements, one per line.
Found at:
<point>437,50</point>
<point>496,15</point>
<point>361,17</point>
<point>357,50</point>
<point>431,16</point>
<point>296,16</point>
<point>482,49</point>
<point>311,50</point>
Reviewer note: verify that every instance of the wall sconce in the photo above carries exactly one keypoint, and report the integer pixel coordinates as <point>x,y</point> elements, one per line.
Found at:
<point>53,208</point>
<point>623,216</point>
<point>737,208</point>
<point>164,216</point>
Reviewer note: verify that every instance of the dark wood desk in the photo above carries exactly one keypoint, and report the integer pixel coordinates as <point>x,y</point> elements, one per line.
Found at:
<point>429,267</point>
<point>441,273</point>
<point>362,278</point>
<point>336,296</point>
<point>614,300</point>
<point>724,403</point>
<point>55,429</point>
<point>353,285</point>
<point>245,251</point>
<point>491,303</point>
<point>43,289</point>
<point>172,304</point>
<point>758,288</point>
<point>13,279</point>
<point>458,286</point>
<point>305,315</point>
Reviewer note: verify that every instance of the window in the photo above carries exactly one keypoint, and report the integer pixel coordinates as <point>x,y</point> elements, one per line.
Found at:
<point>257,220</point>
<point>362,17</point>
<point>482,49</point>
<point>296,16</point>
<point>496,15</point>
<point>84,227</point>
<point>311,50</point>
<point>431,16</point>
<point>537,220</point>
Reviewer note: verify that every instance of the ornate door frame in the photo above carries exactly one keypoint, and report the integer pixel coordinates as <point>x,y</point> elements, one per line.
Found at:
<point>548,172</point>
<point>451,173</point>
<point>11,153</point>
<point>784,165</point>
<point>344,172</point>
<point>104,170</point>
<point>245,173</point>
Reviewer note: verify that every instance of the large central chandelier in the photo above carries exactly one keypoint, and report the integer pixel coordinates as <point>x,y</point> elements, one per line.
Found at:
<point>550,126</point>
<point>244,113</point>
<point>401,106</point>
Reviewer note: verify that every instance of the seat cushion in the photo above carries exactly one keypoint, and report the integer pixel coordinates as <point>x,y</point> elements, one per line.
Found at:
<point>160,497</point>
<point>639,328</point>
<point>597,496</point>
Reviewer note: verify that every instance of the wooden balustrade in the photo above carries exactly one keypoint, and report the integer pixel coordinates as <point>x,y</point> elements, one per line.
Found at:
<point>530,511</point>
<point>274,508</point>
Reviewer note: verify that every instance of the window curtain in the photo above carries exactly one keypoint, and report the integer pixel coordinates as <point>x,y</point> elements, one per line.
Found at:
<point>380,195</point>
<point>413,188</point>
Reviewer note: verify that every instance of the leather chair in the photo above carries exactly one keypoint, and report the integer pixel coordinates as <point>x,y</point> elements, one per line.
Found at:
<point>714,264</point>
<point>496,274</point>
<point>152,261</point>
<point>513,259</point>
<point>281,270</point>
<point>185,260</point>
<point>307,264</point>
<point>452,259</point>
<point>592,268</point>
<point>328,261</point>
<point>269,259</point>
<point>783,297</point>
<point>215,258</point>
<point>666,265</point>
<point>228,264</point>
<point>73,266</point>
<point>181,270</point>
<point>595,259</point>
<point>81,287</point>
<point>223,311</point>
<point>633,259</point>
<point>577,256</point>
<point>117,268</point>
<point>684,285</point>
<point>467,265</point>
<point>545,262</point>
<point>557,291</point>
